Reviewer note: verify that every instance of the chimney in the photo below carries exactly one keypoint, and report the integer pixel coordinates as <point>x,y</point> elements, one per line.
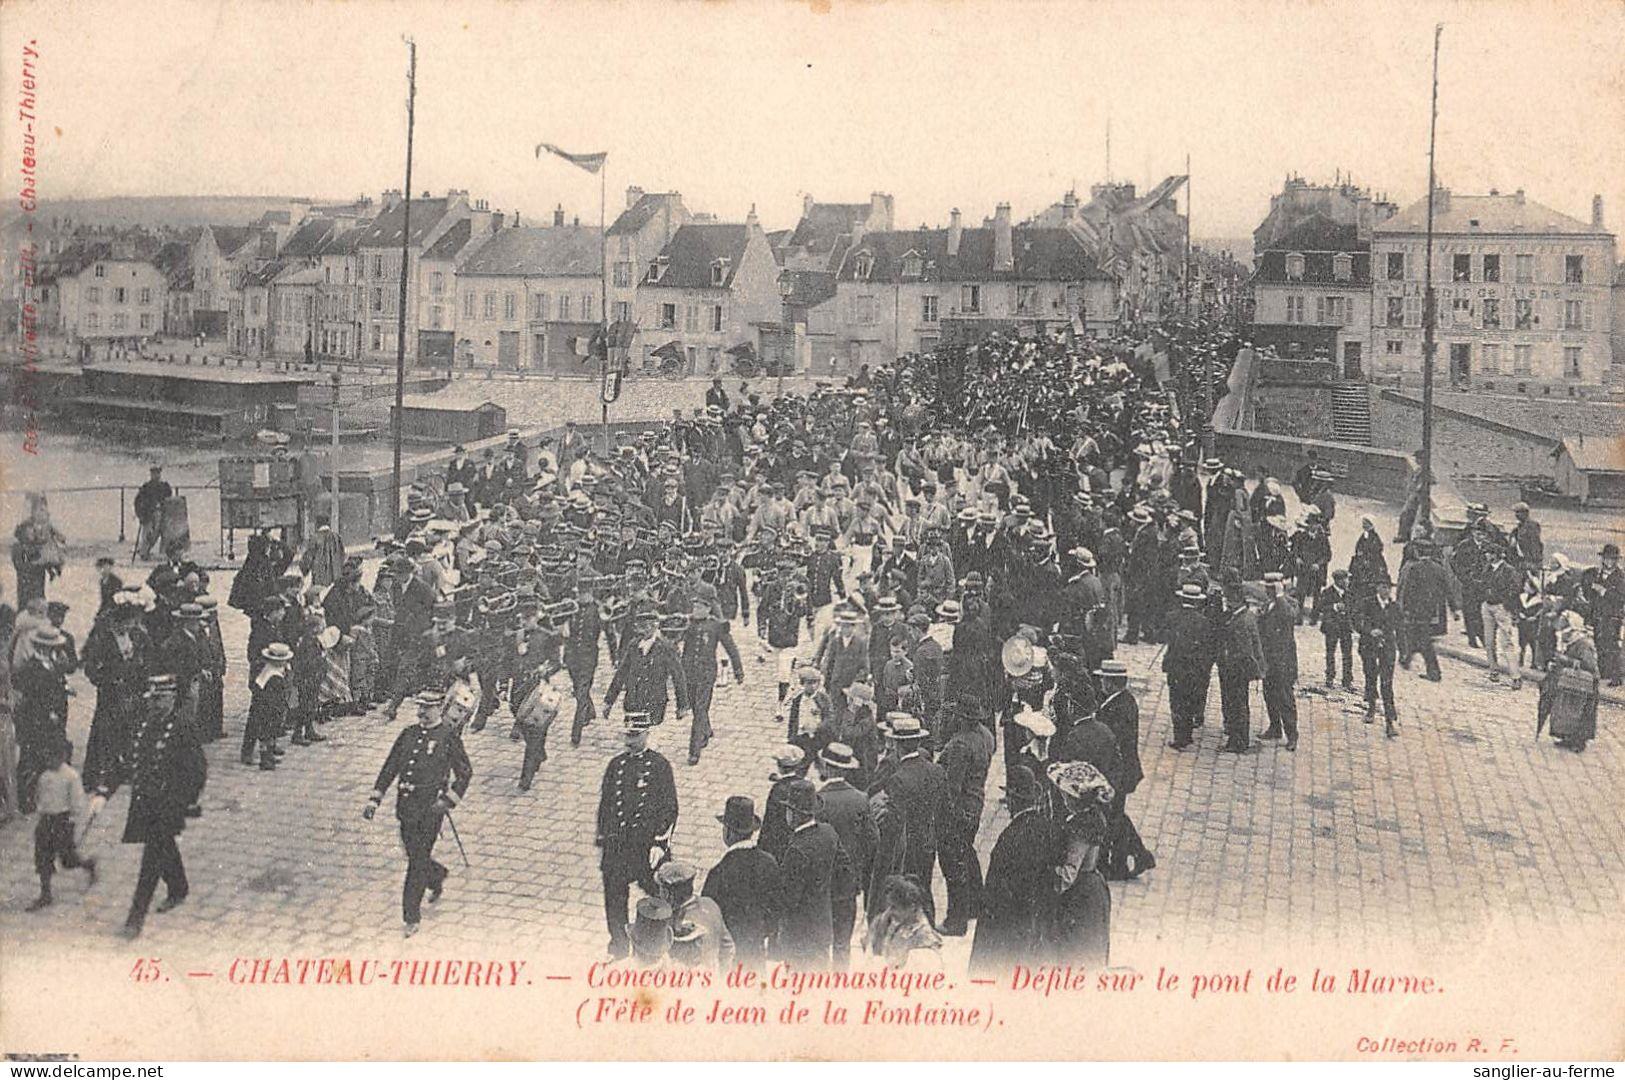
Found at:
<point>1596,213</point>
<point>558,215</point>
<point>1004,251</point>
<point>390,200</point>
<point>497,217</point>
<point>633,194</point>
<point>953,233</point>
<point>1069,208</point>
<point>881,209</point>
<point>1517,196</point>
<point>1441,200</point>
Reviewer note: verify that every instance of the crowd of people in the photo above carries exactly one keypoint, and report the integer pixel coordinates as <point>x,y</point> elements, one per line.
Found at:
<point>936,558</point>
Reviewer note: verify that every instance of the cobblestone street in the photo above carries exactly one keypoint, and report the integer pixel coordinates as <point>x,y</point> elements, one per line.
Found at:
<point>1464,821</point>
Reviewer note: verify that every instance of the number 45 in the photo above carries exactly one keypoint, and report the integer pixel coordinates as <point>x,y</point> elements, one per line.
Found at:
<point>146,969</point>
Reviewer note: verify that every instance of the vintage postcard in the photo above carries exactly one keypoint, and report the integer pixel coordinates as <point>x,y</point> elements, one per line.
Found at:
<point>812,531</point>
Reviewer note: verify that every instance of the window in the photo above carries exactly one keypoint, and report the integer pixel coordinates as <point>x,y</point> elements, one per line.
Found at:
<point>436,317</point>
<point>1523,313</point>
<point>101,271</point>
<point>1461,312</point>
<point>1396,266</point>
<point>538,307</point>
<point>864,311</point>
<point>377,269</point>
<point>1396,347</point>
<point>1461,268</point>
<point>146,320</point>
<point>1524,267</point>
<point>146,294</point>
<point>1294,309</point>
<point>93,321</point>
<point>378,300</point>
<point>1396,312</point>
<point>1294,267</point>
<point>623,275</point>
<point>508,306</point>
<point>657,269</point>
<point>1489,360</point>
<point>668,316</point>
<point>587,311</point>
<point>623,311</point>
<point>970,298</point>
<point>377,337</point>
<point>1026,299</point>
<point>564,307</point>
<point>1413,311</point>
<point>691,317</point>
<point>1492,268</point>
<point>928,309</point>
<point>862,267</point>
<point>1571,361</point>
<point>719,272</point>
<point>1492,312</point>
<point>1573,315</point>
<point>913,266</point>
<point>93,295</point>
<point>1574,269</point>
<point>716,318</point>
<point>1342,266</point>
<point>254,305</point>
<point>468,305</point>
<point>489,305</point>
<point>1337,310</point>
<point>1520,359</point>
<point>120,321</point>
<point>437,283</point>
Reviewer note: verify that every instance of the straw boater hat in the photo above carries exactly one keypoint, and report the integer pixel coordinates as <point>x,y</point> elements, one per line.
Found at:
<point>838,755</point>
<point>903,727</point>
<point>277,653</point>
<point>787,762</point>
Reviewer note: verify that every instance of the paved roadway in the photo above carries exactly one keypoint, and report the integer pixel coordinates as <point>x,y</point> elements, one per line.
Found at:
<point>1462,824</point>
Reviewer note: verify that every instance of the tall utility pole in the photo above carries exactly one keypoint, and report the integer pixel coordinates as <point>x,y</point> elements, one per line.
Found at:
<point>400,324</point>
<point>1424,507</point>
<point>603,302</point>
<point>333,422</point>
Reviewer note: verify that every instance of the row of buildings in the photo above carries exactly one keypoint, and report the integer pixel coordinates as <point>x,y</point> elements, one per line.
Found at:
<point>1527,299</point>
<point>844,288</point>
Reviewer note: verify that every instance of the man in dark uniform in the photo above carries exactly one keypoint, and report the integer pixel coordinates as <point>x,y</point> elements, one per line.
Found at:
<point>813,861</point>
<point>581,652</point>
<point>965,761</point>
<point>846,810</point>
<point>1188,663</point>
<point>1240,660</point>
<point>1332,609</point>
<point>1280,646</point>
<point>149,506</point>
<point>1604,589</point>
<point>1127,856</point>
<point>164,782</point>
<point>704,633</point>
<point>1468,562</point>
<point>1424,599</point>
<point>433,771</point>
<point>637,811</point>
<point>918,804</point>
<point>1379,622</point>
<point>646,664</point>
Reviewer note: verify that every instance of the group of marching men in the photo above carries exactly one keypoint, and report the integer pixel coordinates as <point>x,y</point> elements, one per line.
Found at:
<point>956,584</point>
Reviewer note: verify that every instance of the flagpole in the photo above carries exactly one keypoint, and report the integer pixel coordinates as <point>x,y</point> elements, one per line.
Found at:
<point>603,300</point>
<point>400,329</point>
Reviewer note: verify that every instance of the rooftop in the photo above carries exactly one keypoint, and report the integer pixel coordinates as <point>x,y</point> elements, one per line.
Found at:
<point>695,249</point>
<point>558,251</point>
<point>1493,213</point>
<point>640,213</point>
<point>1598,453</point>
<point>1041,254</point>
<point>386,229</point>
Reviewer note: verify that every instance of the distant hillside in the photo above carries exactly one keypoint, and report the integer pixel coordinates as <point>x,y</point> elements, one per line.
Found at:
<point>154,211</point>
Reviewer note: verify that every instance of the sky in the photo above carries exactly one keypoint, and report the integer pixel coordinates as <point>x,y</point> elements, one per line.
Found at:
<point>735,104</point>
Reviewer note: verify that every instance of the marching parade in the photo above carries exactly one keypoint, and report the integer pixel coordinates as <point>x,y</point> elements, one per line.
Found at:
<point>937,567</point>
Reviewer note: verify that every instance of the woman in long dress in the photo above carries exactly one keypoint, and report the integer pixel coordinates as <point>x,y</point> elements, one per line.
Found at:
<point>1576,651</point>
<point>1081,930</point>
<point>36,551</point>
<point>116,655</point>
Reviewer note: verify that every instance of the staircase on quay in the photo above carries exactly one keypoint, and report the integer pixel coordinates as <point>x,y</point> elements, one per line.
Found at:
<point>1351,413</point>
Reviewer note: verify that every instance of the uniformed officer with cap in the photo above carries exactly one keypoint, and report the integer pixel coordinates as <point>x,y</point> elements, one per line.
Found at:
<point>433,771</point>
<point>637,811</point>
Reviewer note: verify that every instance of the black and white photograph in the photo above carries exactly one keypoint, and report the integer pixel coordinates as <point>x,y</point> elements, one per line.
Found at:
<point>812,531</point>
